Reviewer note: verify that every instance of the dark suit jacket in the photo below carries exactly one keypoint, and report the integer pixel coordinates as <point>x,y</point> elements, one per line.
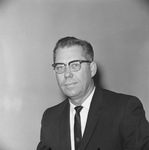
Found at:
<point>115,122</point>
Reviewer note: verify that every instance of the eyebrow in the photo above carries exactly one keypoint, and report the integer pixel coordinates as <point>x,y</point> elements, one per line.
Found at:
<point>77,60</point>
<point>60,63</point>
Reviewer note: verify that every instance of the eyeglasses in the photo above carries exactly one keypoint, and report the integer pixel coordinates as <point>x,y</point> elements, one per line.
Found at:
<point>74,66</point>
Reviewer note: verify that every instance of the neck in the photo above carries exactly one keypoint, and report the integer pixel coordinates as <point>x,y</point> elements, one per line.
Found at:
<point>80,100</point>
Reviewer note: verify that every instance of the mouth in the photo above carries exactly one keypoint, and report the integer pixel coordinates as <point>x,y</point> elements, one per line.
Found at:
<point>70,84</point>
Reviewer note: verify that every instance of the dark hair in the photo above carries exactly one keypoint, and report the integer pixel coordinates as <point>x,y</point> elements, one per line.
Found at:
<point>72,41</point>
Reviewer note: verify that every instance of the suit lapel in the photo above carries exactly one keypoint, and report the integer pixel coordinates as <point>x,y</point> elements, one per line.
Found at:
<point>93,117</point>
<point>65,128</point>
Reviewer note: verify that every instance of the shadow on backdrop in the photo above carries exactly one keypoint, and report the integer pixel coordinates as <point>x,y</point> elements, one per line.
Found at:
<point>144,4</point>
<point>98,78</point>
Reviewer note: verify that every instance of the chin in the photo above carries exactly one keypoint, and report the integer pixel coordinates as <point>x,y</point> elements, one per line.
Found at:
<point>71,94</point>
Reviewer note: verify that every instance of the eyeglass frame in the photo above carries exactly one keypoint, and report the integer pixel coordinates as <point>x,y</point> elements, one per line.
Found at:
<point>78,61</point>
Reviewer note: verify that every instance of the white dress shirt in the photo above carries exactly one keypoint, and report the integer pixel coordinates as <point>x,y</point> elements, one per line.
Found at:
<point>83,117</point>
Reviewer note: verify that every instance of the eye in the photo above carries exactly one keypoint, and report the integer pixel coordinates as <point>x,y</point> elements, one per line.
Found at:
<point>59,67</point>
<point>75,65</point>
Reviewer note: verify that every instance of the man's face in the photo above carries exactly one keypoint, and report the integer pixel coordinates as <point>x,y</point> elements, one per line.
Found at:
<point>75,85</point>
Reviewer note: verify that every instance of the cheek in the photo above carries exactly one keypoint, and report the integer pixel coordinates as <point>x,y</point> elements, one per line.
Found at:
<point>59,79</point>
<point>84,78</point>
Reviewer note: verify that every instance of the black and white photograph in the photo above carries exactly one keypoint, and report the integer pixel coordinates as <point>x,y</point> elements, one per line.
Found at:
<point>74,74</point>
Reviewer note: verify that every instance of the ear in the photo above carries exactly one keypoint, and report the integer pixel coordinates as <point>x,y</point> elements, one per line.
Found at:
<point>93,67</point>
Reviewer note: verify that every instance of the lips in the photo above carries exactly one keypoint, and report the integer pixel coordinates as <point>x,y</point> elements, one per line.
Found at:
<point>70,84</point>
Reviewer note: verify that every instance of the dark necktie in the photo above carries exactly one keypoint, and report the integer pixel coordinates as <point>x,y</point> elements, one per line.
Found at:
<point>77,127</point>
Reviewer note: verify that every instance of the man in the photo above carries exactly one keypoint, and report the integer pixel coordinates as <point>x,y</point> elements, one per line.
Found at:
<point>109,120</point>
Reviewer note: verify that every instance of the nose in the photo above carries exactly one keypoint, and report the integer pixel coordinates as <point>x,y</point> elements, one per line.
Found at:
<point>68,73</point>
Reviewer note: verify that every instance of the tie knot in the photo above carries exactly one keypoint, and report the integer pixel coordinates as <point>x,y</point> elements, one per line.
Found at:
<point>78,109</point>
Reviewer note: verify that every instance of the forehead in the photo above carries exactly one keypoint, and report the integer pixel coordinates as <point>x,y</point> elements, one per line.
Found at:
<point>69,54</point>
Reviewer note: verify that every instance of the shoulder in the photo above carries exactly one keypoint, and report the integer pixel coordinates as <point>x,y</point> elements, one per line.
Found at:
<point>114,99</point>
<point>56,109</point>
<point>123,105</point>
